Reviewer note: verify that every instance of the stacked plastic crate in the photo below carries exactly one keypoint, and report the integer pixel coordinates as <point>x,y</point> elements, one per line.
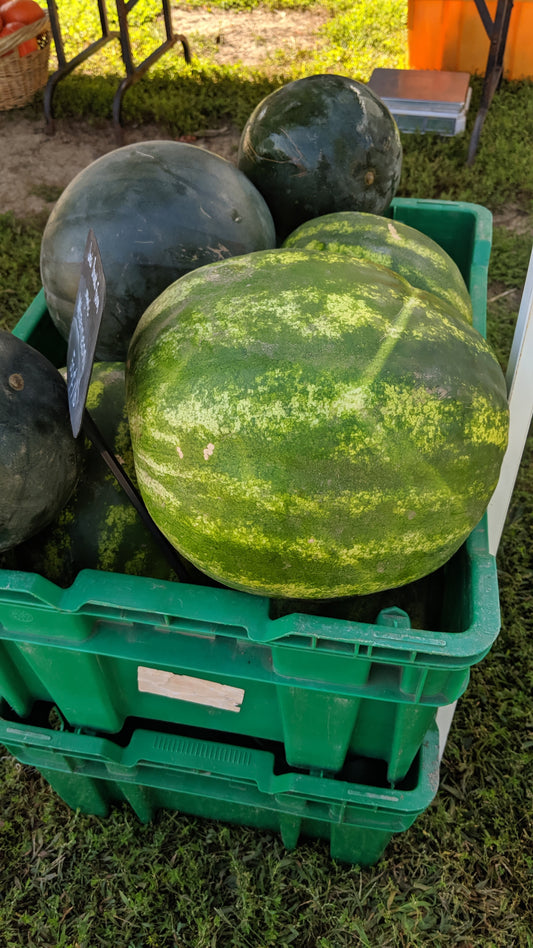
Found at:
<point>224,705</point>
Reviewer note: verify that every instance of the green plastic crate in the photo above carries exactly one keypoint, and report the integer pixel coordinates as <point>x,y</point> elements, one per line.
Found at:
<point>234,783</point>
<point>111,646</point>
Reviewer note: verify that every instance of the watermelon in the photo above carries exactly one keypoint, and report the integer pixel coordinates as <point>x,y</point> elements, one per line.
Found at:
<point>98,528</point>
<point>320,144</point>
<point>39,457</point>
<point>306,425</point>
<point>406,250</point>
<point>158,209</point>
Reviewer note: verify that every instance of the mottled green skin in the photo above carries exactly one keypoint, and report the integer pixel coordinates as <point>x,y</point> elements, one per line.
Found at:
<point>158,209</point>
<point>307,425</point>
<point>407,251</point>
<point>98,528</point>
<point>319,144</point>
<point>39,457</point>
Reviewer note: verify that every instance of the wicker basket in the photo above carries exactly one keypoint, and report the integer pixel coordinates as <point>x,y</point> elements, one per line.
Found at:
<point>22,76</point>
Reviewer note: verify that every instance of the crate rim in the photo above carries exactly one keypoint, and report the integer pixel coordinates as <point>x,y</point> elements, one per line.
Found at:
<point>148,745</point>
<point>97,595</point>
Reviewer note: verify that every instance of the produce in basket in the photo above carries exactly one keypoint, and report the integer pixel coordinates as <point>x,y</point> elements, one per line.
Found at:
<point>158,209</point>
<point>29,46</point>
<point>98,528</point>
<point>309,425</point>
<point>406,250</point>
<point>39,457</point>
<point>24,54</point>
<point>21,11</point>
<point>320,144</point>
<point>16,14</point>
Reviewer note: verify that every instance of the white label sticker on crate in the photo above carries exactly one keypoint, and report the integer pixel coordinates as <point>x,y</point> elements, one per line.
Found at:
<point>186,688</point>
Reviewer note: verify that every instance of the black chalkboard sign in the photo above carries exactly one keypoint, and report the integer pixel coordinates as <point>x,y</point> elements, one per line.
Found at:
<point>84,330</point>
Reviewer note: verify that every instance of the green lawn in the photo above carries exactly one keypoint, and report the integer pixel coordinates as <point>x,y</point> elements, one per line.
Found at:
<point>462,875</point>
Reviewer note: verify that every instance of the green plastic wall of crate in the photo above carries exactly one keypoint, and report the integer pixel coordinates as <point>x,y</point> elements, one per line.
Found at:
<point>227,782</point>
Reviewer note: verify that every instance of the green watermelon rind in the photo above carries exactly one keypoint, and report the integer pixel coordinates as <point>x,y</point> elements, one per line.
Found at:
<point>321,143</point>
<point>268,470</point>
<point>377,239</point>
<point>39,457</point>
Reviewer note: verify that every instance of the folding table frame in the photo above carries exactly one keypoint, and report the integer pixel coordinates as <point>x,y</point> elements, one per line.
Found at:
<point>133,71</point>
<point>496,31</point>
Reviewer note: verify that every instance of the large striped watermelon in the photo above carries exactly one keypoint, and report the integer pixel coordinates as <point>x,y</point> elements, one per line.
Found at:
<point>309,425</point>
<point>393,244</point>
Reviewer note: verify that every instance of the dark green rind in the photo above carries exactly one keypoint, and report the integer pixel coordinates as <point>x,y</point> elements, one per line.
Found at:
<point>320,144</point>
<point>158,209</point>
<point>309,426</point>
<point>39,457</point>
<point>407,251</point>
<point>98,528</point>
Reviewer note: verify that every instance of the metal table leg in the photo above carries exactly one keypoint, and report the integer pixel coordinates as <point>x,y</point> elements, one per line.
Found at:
<point>496,30</point>
<point>64,67</point>
<point>133,72</point>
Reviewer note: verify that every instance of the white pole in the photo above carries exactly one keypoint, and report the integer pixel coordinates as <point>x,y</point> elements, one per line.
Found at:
<point>519,379</point>
<point>520,394</point>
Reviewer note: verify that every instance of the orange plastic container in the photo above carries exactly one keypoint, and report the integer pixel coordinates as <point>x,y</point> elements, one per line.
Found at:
<point>449,35</point>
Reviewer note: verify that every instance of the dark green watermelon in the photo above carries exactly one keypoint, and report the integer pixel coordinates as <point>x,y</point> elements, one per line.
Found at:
<point>320,144</point>
<point>158,209</point>
<point>39,457</point>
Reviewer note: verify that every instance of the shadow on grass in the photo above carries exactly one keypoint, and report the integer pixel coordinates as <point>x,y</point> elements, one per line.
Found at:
<point>194,99</point>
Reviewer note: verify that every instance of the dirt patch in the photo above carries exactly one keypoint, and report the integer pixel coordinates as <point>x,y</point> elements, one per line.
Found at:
<point>36,167</point>
<point>249,36</point>
<point>515,219</point>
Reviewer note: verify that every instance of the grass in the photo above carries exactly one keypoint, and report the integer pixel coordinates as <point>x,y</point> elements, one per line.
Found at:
<point>436,167</point>
<point>463,874</point>
<point>19,265</point>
